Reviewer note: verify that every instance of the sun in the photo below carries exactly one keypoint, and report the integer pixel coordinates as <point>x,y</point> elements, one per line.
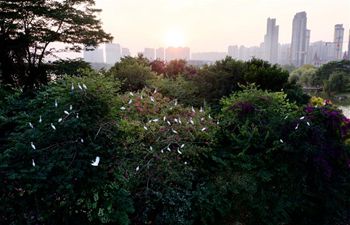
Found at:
<point>174,38</point>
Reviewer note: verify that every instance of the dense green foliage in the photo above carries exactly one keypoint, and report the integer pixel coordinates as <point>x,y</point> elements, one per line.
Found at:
<point>261,159</point>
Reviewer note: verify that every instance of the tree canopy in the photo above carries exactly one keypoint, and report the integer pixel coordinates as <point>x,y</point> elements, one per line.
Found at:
<point>28,27</point>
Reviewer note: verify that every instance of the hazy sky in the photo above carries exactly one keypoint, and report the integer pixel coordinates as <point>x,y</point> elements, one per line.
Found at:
<point>212,25</point>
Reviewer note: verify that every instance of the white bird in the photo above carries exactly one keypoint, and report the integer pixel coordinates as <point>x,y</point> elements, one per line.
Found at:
<point>204,129</point>
<point>70,107</point>
<point>168,149</point>
<point>174,131</point>
<point>155,120</point>
<point>144,127</point>
<point>193,109</point>
<point>286,117</point>
<point>175,103</point>
<point>176,121</point>
<point>164,118</point>
<point>40,119</point>
<point>297,126</point>
<point>137,168</point>
<point>179,121</point>
<point>84,86</point>
<point>209,117</point>
<point>56,103</point>
<point>81,140</point>
<point>201,109</point>
<point>32,145</point>
<point>178,151</point>
<point>168,122</point>
<point>202,119</point>
<point>182,146</point>
<point>191,121</point>
<point>53,126</point>
<point>151,148</point>
<point>281,141</point>
<point>130,101</point>
<point>31,125</point>
<point>33,163</point>
<point>185,163</point>
<point>308,123</point>
<point>162,151</point>
<point>77,116</point>
<point>122,108</point>
<point>66,112</point>
<point>303,117</point>
<point>132,94</point>
<point>72,88</point>
<point>59,120</point>
<point>155,91</point>
<point>218,122</point>
<point>96,162</point>
<point>141,97</point>
<point>152,99</point>
<point>80,86</point>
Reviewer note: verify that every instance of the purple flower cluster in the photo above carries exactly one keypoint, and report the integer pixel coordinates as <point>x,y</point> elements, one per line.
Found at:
<point>243,108</point>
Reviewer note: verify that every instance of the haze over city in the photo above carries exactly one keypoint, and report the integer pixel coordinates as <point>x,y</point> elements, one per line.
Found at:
<point>208,25</point>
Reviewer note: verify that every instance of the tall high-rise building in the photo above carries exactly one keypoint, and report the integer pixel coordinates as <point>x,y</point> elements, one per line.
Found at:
<point>300,39</point>
<point>125,52</point>
<point>172,53</point>
<point>349,47</point>
<point>233,51</point>
<point>150,54</point>
<point>271,41</point>
<point>113,53</point>
<point>93,55</point>
<point>160,54</point>
<point>338,41</point>
<point>283,54</point>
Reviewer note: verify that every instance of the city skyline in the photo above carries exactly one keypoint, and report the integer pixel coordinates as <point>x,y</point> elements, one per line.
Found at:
<point>209,25</point>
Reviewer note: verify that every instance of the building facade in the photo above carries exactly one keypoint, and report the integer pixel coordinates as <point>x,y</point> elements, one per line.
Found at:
<point>338,41</point>
<point>300,39</point>
<point>271,41</point>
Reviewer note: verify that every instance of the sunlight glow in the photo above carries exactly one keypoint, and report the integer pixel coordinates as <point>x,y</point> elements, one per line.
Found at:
<point>174,38</point>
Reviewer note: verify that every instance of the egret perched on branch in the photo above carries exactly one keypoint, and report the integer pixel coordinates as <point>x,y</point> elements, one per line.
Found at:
<point>32,145</point>
<point>96,162</point>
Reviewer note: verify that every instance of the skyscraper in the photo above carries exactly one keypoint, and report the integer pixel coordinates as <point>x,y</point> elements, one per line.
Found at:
<point>160,54</point>
<point>149,53</point>
<point>172,53</point>
<point>113,53</point>
<point>349,47</point>
<point>93,55</point>
<point>271,41</point>
<point>338,41</point>
<point>233,51</point>
<point>125,52</point>
<point>300,39</point>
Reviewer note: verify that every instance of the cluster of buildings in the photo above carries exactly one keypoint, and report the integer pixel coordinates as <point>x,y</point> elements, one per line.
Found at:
<point>299,52</point>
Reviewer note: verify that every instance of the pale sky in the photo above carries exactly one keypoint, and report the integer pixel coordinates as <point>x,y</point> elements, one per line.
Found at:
<point>212,25</point>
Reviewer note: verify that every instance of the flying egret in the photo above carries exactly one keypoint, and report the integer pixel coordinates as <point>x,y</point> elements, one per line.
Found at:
<point>96,162</point>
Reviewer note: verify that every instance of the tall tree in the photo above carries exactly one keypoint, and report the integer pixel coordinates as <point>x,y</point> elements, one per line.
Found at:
<point>28,27</point>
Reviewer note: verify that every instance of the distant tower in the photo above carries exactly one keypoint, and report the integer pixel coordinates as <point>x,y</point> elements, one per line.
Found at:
<point>125,52</point>
<point>233,51</point>
<point>338,41</point>
<point>271,41</point>
<point>113,53</point>
<point>300,39</point>
<point>93,55</point>
<point>160,54</point>
<point>149,53</point>
<point>349,47</point>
